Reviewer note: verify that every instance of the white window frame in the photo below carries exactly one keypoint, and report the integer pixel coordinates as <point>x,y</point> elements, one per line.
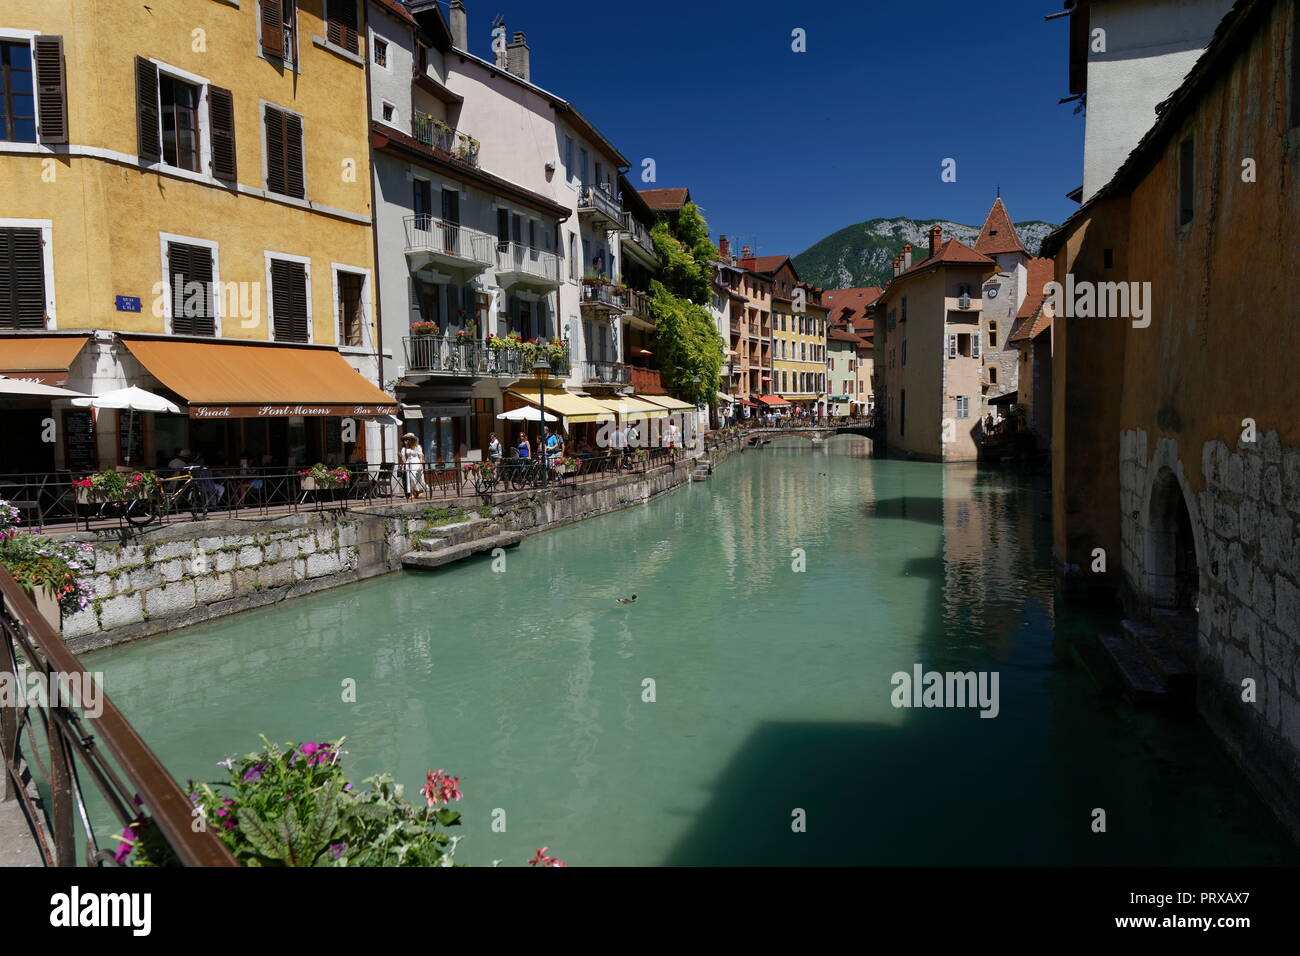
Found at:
<point>975,345</point>
<point>395,118</point>
<point>12,35</point>
<point>375,40</point>
<point>267,256</point>
<point>335,269</point>
<point>217,298</point>
<point>204,121</point>
<point>293,62</point>
<point>46,226</point>
<point>952,345</point>
<point>261,123</point>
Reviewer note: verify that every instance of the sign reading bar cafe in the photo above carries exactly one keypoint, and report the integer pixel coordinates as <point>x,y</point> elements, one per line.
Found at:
<point>284,411</point>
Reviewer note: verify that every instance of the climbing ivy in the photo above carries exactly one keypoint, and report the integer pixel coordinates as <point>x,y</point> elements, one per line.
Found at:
<point>687,341</point>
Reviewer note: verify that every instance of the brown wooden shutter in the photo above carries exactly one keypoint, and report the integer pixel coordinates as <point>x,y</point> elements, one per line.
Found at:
<point>275,167</point>
<point>51,89</point>
<point>295,175</point>
<point>273,28</point>
<point>289,300</point>
<point>221,115</point>
<point>22,279</point>
<point>341,24</point>
<point>148,130</point>
<point>186,265</point>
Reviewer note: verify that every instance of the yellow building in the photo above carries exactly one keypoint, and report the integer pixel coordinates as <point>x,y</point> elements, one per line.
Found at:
<point>187,209</point>
<point>798,336</point>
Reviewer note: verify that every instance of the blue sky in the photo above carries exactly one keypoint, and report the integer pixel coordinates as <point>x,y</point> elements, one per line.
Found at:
<point>782,148</point>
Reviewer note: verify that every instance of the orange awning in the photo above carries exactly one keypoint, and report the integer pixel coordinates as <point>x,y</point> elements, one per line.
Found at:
<point>44,359</point>
<point>218,380</point>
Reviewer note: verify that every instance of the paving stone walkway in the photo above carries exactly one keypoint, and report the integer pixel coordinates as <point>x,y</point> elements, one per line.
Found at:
<point>17,848</point>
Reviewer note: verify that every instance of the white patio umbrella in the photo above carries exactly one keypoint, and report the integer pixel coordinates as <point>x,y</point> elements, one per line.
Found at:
<point>136,399</point>
<point>527,414</point>
<point>16,386</point>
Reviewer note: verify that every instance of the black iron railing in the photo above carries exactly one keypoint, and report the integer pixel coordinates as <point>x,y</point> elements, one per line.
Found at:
<point>56,744</point>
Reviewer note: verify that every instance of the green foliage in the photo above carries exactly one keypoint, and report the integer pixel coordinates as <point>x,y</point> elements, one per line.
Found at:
<point>434,517</point>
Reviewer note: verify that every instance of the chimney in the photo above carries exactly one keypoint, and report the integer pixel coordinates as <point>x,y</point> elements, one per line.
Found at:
<point>747,260</point>
<point>517,57</point>
<point>907,255</point>
<point>500,55</point>
<point>459,26</point>
<point>724,248</point>
<point>936,240</point>
<point>897,260</point>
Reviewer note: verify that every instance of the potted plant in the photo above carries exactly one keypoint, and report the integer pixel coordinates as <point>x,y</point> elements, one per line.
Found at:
<point>424,328</point>
<point>320,478</point>
<point>50,571</point>
<point>112,485</point>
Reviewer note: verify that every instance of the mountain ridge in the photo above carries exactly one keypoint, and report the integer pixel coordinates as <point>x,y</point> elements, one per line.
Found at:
<point>861,254</point>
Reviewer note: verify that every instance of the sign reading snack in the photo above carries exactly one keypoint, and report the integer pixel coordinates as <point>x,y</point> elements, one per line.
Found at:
<point>286,411</point>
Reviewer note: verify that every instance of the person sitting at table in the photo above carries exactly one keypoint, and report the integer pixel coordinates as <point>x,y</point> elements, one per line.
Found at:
<point>181,461</point>
<point>584,449</point>
<point>203,476</point>
<point>250,480</point>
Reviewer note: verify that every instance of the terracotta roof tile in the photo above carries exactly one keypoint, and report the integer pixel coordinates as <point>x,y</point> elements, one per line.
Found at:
<point>952,252</point>
<point>839,335</point>
<point>1040,273</point>
<point>849,306</point>
<point>397,9</point>
<point>666,200</point>
<point>998,234</point>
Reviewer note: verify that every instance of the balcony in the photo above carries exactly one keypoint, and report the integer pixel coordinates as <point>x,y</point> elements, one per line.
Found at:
<point>636,240</point>
<point>452,357</point>
<point>646,381</point>
<point>518,264</point>
<point>599,208</point>
<point>604,373</point>
<point>637,312</point>
<point>430,241</point>
<point>600,299</point>
<point>445,139</point>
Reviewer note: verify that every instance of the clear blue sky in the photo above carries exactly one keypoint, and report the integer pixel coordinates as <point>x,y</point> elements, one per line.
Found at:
<point>782,148</point>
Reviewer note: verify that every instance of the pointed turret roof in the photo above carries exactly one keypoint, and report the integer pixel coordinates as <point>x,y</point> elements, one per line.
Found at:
<point>999,234</point>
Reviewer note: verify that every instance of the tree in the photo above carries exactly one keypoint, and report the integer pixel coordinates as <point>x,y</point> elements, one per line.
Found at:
<point>687,341</point>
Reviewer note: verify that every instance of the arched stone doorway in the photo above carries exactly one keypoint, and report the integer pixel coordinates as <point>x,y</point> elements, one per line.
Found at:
<point>1173,580</point>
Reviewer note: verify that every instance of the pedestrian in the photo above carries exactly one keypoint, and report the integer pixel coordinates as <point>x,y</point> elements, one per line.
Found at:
<point>412,466</point>
<point>617,444</point>
<point>523,448</point>
<point>494,448</point>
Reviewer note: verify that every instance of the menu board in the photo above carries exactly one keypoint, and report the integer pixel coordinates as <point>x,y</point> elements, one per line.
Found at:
<point>79,449</point>
<point>130,424</point>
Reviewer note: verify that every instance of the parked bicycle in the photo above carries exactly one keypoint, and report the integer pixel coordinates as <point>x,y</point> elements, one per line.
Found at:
<point>179,493</point>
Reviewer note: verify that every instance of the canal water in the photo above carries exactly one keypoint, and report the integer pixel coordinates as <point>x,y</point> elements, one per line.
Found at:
<point>771,708</point>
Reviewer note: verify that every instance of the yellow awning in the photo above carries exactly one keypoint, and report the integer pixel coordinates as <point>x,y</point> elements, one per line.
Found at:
<point>572,408</point>
<point>675,404</point>
<point>43,359</point>
<point>633,407</point>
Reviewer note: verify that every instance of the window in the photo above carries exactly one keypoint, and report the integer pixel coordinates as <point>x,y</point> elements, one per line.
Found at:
<point>903,317</point>
<point>341,24</point>
<point>582,165</point>
<point>24,84</point>
<point>1295,64</point>
<point>993,374</point>
<point>568,157</point>
<point>179,112</point>
<point>963,406</point>
<point>284,158</point>
<point>903,354</point>
<point>22,279</point>
<point>380,52</point>
<point>389,112</point>
<point>189,279</point>
<point>17,93</point>
<point>1108,258</point>
<point>503,229</point>
<point>290,302</point>
<point>902,411</point>
<point>278,25</point>
<point>573,256</point>
<point>952,346</point>
<point>1186,181</point>
<point>975,345</point>
<point>351,307</point>
<point>993,335</point>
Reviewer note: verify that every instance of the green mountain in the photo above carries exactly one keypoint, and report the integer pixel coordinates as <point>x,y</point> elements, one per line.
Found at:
<point>860,255</point>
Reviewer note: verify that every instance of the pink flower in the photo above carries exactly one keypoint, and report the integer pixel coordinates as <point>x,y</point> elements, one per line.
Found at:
<point>544,860</point>
<point>440,788</point>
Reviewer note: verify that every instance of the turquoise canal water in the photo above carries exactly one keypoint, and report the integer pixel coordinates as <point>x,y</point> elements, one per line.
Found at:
<point>772,687</point>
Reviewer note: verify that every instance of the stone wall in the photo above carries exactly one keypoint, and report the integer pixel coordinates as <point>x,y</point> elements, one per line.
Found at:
<point>1244,522</point>
<point>176,575</point>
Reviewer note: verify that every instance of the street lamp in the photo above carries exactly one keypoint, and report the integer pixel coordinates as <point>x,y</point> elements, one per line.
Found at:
<point>542,371</point>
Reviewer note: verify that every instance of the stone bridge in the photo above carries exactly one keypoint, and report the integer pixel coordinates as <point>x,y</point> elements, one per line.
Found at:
<point>814,433</point>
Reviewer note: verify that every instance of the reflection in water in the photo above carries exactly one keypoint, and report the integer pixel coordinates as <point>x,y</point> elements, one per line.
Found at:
<point>772,686</point>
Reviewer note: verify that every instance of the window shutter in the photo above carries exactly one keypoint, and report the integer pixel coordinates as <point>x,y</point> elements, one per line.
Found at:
<point>975,345</point>
<point>503,226</point>
<point>295,175</point>
<point>221,115</point>
<point>289,300</point>
<point>952,346</point>
<point>178,274</point>
<point>275,176</point>
<point>149,135</point>
<point>273,28</point>
<point>22,279</point>
<point>51,89</point>
<point>341,25</point>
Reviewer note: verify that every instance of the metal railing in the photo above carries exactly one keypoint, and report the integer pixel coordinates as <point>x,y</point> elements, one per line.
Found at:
<point>456,478</point>
<point>427,234</point>
<point>636,230</point>
<point>522,260</point>
<point>605,373</point>
<point>598,199</point>
<point>638,303</point>
<point>79,744</point>
<point>603,296</point>
<point>433,132</point>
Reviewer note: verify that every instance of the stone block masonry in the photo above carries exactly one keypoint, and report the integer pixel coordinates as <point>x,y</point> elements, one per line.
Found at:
<point>176,575</point>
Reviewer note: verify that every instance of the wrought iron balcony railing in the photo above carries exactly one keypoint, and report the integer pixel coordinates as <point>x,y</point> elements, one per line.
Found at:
<point>638,304</point>
<point>598,201</point>
<point>444,138</point>
<point>601,297</point>
<point>448,240</point>
<point>605,373</point>
<point>518,260</point>
<point>447,355</point>
<point>639,234</point>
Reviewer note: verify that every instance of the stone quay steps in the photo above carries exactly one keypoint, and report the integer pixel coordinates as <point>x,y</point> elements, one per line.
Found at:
<point>1150,668</point>
<point>459,541</point>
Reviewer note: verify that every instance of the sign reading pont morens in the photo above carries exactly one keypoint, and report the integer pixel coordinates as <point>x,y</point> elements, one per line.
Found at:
<point>284,411</point>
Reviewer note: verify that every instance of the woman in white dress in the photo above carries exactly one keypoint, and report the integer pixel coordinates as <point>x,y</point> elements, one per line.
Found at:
<point>413,466</point>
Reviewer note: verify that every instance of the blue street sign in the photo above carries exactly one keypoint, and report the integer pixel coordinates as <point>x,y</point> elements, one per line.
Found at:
<point>128,303</point>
